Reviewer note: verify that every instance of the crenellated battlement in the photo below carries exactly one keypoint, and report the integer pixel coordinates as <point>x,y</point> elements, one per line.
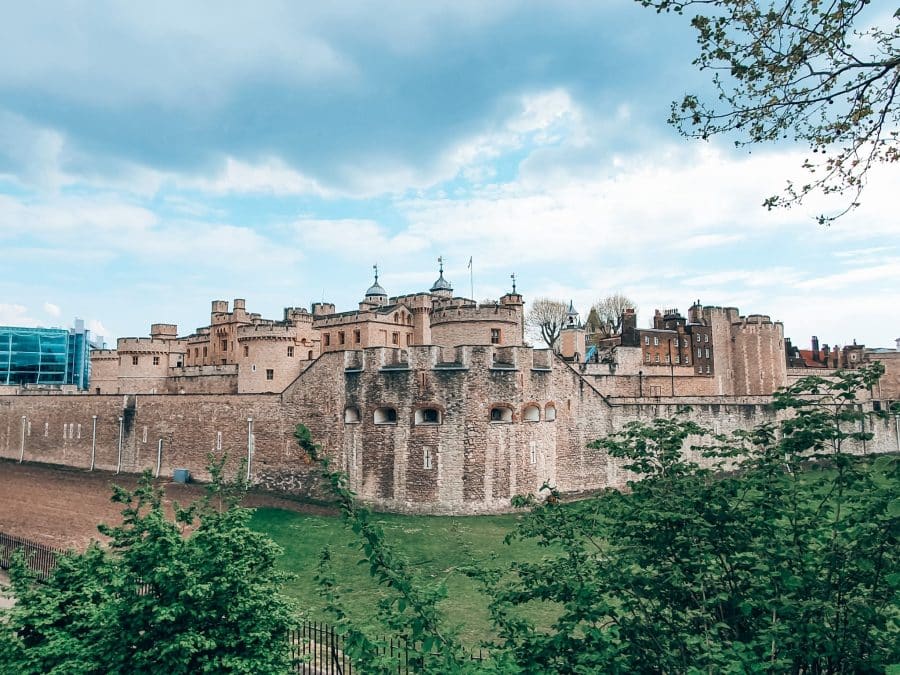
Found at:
<point>148,345</point>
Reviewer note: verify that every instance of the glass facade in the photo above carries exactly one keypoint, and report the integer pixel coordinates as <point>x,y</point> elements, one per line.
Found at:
<point>45,356</point>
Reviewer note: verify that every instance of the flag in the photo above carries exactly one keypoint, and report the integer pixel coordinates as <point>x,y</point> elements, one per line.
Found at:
<point>470,262</point>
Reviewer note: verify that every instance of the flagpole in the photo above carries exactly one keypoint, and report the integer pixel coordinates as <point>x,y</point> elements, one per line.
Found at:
<point>471,280</point>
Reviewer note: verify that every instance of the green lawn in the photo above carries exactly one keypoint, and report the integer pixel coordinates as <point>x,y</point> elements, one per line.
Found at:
<point>435,545</point>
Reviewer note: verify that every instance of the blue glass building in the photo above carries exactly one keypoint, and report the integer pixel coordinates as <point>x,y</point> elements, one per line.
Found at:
<point>45,356</point>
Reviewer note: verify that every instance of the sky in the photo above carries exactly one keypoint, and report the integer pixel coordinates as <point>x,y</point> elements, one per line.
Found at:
<point>157,156</point>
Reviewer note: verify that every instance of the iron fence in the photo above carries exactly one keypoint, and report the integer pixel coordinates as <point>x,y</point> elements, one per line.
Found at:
<point>39,557</point>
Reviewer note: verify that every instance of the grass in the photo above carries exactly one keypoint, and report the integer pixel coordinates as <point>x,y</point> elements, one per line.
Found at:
<point>437,546</point>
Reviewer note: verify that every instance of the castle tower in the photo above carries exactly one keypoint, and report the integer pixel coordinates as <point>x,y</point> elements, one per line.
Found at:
<point>441,288</point>
<point>571,336</point>
<point>376,296</point>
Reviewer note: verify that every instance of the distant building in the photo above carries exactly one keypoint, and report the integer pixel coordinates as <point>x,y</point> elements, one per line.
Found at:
<point>45,357</point>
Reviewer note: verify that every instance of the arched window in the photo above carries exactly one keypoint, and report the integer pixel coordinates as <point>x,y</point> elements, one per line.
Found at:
<point>531,413</point>
<point>501,414</point>
<point>428,416</point>
<point>351,415</point>
<point>550,412</point>
<point>385,415</point>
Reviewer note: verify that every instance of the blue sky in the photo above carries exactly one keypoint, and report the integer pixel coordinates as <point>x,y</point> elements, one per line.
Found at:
<point>156,156</point>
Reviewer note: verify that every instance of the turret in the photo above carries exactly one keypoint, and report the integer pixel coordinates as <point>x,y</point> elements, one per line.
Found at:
<point>441,288</point>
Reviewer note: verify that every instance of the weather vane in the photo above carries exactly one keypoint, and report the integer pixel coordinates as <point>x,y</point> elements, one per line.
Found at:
<point>513,277</point>
<point>375,267</point>
<point>441,263</point>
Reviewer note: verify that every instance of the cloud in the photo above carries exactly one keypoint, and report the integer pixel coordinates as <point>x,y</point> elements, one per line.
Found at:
<point>52,310</point>
<point>16,315</point>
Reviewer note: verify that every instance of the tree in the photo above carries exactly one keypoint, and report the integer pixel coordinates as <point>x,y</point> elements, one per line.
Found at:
<point>547,316</point>
<point>608,313</point>
<point>779,553</point>
<point>823,74</point>
<point>197,594</point>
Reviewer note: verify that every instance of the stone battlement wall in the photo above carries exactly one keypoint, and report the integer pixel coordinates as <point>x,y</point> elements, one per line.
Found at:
<point>464,459</point>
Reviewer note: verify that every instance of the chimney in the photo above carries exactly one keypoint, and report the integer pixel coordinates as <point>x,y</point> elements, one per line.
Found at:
<point>815,348</point>
<point>629,328</point>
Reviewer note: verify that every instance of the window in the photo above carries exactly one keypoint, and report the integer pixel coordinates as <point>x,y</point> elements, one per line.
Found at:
<point>550,412</point>
<point>501,414</point>
<point>707,369</point>
<point>218,441</point>
<point>706,337</point>
<point>699,352</point>
<point>677,359</point>
<point>134,360</point>
<point>428,416</point>
<point>270,374</point>
<point>204,351</point>
<point>531,414</point>
<point>290,351</point>
<point>426,457</point>
<point>253,368</point>
<point>495,336</point>
<point>385,416</point>
<point>676,342</point>
<point>646,339</point>
<point>341,337</point>
<point>668,360</point>
<point>408,339</point>
<point>395,338</point>
<point>533,448</point>
<point>657,358</point>
<point>247,350</point>
<point>698,337</point>
<point>47,427</point>
<point>356,337</point>
<point>351,415</point>
<point>155,360</point>
<point>707,352</point>
<point>647,357</point>
<point>309,355</point>
<point>656,341</point>
<point>700,369</point>
<point>144,435</point>
<point>327,338</point>
<point>196,352</point>
<point>224,345</point>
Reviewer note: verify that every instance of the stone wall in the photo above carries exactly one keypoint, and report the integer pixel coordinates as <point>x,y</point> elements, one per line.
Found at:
<point>460,457</point>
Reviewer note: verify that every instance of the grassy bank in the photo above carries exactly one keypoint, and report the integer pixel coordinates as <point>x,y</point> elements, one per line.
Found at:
<point>436,546</point>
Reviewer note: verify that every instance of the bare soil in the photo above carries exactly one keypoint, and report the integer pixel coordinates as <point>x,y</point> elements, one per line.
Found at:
<point>61,506</point>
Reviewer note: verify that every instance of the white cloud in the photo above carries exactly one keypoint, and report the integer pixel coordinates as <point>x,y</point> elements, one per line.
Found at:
<point>271,176</point>
<point>15,315</point>
<point>97,329</point>
<point>51,309</point>
<point>356,239</point>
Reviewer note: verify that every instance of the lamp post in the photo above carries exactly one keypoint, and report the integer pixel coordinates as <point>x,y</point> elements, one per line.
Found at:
<point>121,431</point>
<point>93,440</point>
<point>249,445</point>
<point>22,443</point>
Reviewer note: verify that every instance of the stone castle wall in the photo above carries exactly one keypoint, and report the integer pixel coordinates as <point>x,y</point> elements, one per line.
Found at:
<point>467,462</point>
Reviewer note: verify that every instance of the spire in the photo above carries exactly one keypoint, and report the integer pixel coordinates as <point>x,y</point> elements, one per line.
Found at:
<point>375,290</point>
<point>572,319</point>
<point>441,286</point>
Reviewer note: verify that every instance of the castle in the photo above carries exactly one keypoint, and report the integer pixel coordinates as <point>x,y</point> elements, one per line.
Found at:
<point>430,402</point>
